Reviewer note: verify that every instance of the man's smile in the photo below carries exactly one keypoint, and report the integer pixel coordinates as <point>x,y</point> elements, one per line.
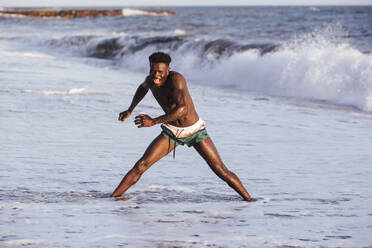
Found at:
<point>157,81</point>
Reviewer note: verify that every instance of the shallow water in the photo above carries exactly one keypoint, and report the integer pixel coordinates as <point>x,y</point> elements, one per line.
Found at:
<point>307,162</point>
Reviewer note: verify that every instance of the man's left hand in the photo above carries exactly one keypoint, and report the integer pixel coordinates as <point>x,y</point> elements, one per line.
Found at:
<point>143,120</point>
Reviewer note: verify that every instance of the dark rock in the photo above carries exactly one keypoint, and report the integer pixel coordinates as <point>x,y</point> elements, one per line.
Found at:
<point>71,13</point>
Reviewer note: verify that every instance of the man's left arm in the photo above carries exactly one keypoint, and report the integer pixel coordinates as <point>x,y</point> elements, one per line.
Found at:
<point>178,112</point>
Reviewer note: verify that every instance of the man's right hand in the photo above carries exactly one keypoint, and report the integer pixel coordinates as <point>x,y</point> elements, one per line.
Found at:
<point>124,115</point>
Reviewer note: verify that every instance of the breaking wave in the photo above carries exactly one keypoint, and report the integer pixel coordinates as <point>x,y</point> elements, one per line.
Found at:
<point>319,65</point>
<point>177,41</point>
<point>315,66</point>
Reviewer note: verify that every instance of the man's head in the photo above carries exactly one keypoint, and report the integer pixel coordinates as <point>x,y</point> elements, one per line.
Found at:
<point>159,67</point>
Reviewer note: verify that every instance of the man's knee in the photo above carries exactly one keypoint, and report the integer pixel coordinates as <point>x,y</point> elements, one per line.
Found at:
<point>141,166</point>
<point>223,172</point>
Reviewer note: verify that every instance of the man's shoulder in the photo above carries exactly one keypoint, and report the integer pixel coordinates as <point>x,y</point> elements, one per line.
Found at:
<point>177,78</point>
<point>147,82</point>
<point>176,75</point>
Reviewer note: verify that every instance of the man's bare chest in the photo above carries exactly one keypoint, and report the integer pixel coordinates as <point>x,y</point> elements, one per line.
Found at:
<point>164,96</point>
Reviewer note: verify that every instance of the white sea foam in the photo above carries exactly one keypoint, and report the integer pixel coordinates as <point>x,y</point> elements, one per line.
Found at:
<point>12,15</point>
<point>179,32</point>
<point>172,188</point>
<point>110,236</point>
<point>134,12</point>
<point>26,54</point>
<point>77,91</point>
<point>21,242</point>
<point>314,9</point>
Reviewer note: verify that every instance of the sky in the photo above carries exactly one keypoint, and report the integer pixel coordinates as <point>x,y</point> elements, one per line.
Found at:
<point>30,3</point>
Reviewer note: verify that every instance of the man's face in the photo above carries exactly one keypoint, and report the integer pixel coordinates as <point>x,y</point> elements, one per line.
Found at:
<point>159,73</point>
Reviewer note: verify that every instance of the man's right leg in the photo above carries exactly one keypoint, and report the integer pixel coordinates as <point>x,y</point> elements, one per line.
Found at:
<point>154,152</point>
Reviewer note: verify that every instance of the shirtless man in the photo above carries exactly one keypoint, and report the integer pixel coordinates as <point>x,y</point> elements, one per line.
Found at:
<point>180,123</point>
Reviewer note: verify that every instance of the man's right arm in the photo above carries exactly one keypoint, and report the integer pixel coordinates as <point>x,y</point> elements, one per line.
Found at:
<point>138,96</point>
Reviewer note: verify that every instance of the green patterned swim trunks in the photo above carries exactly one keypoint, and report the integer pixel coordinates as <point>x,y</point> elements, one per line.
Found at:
<point>189,140</point>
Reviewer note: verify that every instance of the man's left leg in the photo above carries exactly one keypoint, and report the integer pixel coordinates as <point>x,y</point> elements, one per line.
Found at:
<point>209,152</point>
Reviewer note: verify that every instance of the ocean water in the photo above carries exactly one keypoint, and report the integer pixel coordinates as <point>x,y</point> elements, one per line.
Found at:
<point>287,96</point>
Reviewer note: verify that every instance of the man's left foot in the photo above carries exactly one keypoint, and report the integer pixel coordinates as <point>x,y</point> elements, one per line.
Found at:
<point>251,199</point>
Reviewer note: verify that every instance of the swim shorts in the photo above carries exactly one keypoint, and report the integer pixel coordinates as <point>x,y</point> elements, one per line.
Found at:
<point>189,140</point>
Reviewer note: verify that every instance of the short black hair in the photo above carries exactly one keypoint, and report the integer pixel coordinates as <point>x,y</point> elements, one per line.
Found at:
<point>160,57</point>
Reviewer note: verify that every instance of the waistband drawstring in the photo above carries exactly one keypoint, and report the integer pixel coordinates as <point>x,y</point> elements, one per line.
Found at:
<point>175,143</point>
